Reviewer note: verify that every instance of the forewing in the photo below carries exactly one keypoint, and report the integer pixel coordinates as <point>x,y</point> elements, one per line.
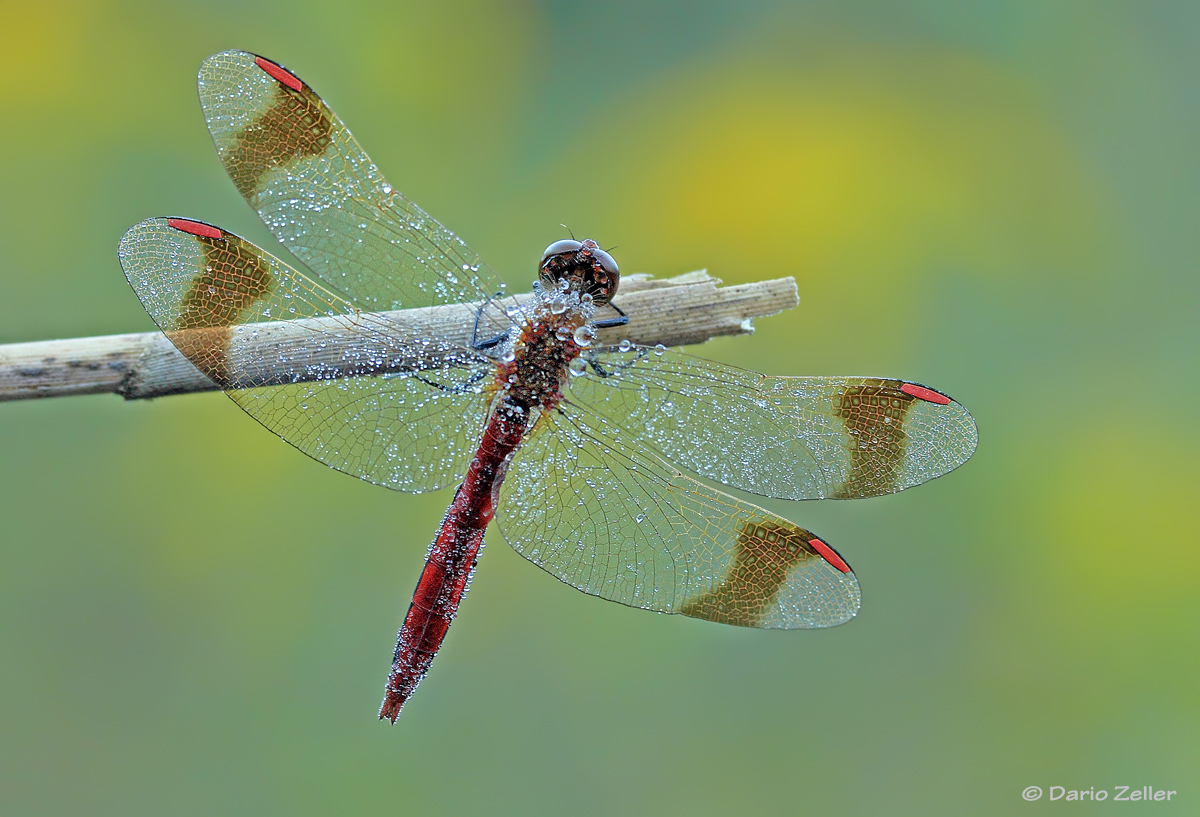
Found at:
<point>609,517</point>
<point>323,197</point>
<point>214,294</point>
<point>782,437</point>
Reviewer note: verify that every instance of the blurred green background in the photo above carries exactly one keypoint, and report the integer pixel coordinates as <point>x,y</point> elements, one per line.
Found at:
<point>997,199</point>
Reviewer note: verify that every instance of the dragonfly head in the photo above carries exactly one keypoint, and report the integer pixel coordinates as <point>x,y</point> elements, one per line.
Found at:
<point>583,265</point>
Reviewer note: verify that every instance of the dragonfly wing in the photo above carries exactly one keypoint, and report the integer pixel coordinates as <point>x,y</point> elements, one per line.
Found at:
<point>212,293</point>
<point>295,162</point>
<point>611,518</point>
<point>782,437</point>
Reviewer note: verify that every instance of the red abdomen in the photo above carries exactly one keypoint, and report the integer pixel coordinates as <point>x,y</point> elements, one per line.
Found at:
<point>452,558</point>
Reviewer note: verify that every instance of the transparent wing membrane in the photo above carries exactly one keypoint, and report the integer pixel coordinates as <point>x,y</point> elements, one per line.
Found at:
<point>781,437</point>
<point>212,293</point>
<point>601,512</point>
<point>321,195</point>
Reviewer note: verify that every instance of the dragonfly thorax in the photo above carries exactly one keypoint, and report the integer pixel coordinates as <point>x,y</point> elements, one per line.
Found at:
<point>582,266</point>
<point>544,350</point>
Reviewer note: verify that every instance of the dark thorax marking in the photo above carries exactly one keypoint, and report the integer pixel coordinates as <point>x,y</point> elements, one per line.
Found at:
<point>542,355</point>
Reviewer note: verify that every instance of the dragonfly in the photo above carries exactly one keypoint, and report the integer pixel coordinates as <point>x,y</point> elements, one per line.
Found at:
<point>594,460</point>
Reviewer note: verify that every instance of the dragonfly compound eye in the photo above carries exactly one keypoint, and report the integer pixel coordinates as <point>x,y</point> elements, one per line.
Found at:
<point>606,261</point>
<point>560,247</point>
<point>580,266</point>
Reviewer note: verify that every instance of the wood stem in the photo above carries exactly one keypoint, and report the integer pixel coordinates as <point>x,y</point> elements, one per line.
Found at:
<point>677,311</point>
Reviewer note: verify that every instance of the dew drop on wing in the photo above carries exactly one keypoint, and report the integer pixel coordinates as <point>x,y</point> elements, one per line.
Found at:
<point>625,345</point>
<point>584,335</point>
<point>577,366</point>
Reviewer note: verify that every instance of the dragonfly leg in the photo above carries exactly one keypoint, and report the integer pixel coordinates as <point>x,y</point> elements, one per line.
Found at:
<point>490,343</point>
<point>642,352</point>
<point>610,322</point>
<point>458,388</point>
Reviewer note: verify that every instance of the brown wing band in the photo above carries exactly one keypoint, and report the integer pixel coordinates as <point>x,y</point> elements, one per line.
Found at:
<point>873,415</point>
<point>766,551</point>
<point>233,280</point>
<point>295,125</point>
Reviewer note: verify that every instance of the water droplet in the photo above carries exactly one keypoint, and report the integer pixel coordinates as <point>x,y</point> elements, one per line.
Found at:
<point>577,366</point>
<point>625,345</point>
<point>563,333</point>
<point>659,349</point>
<point>584,335</point>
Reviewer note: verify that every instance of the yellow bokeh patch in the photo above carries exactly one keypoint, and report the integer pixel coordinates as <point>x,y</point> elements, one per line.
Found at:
<point>894,166</point>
